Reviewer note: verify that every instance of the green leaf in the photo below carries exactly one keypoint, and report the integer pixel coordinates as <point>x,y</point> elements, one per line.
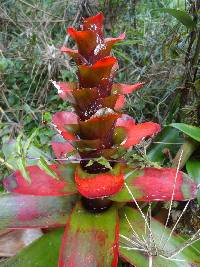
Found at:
<point>101,160</point>
<point>181,15</point>
<point>193,169</point>
<point>122,55</point>
<point>167,140</point>
<point>104,162</point>
<point>90,239</point>
<point>46,117</point>
<point>10,152</point>
<point>44,165</point>
<point>43,252</point>
<point>19,144</point>
<point>139,160</point>
<point>134,228</point>
<point>198,197</point>
<point>120,264</point>
<point>21,163</point>
<point>191,131</point>
<point>128,42</point>
<point>90,163</point>
<point>197,85</point>
<point>28,142</point>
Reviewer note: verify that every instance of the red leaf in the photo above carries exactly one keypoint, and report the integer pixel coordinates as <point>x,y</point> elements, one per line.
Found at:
<point>69,51</point>
<point>85,96</point>
<point>115,40</point>
<point>151,184</point>
<point>126,121</point>
<point>91,76</point>
<point>120,132</point>
<point>90,44</point>
<point>126,88</point>
<point>120,102</point>
<point>61,149</point>
<point>90,240</point>
<point>136,133</point>
<point>104,49</point>
<point>86,41</point>
<point>73,54</point>
<point>41,184</point>
<point>101,184</point>
<point>109,42</point>
<point>158,185</point>
<point>26,211</point>
<point>65,90</point>
<point>64,118</point>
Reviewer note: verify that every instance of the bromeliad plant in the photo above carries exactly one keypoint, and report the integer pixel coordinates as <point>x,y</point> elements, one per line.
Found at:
<point>87,196</point>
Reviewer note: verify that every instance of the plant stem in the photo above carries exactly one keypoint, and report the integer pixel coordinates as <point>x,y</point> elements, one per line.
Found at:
<point>6,164</point>
<point>196,57</point>
<point>150,261</point>
<point>186,150</point>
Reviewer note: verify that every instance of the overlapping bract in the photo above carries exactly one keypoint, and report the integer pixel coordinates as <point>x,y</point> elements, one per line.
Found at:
<point>96,129</point>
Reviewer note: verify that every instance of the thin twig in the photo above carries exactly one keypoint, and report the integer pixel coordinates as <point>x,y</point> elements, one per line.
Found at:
<point>5,115</point>
<point>188,243</point>
<point>173,192</point>
<point>39,9</point>
<point>141,212</point>
<point>6,164</point>
<point>173,229</point>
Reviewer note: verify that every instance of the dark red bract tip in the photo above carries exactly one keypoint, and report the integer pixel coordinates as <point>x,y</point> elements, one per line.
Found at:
<point>94,23</point>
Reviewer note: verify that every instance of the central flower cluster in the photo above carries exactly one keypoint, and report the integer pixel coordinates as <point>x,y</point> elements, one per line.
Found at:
<point>97,129</point>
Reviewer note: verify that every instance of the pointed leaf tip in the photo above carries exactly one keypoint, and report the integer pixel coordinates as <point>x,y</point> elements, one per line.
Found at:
<point>135,133</point>
<point>86,41</point>
<point>93,23</point>
<point>126,88</point>
<point>190,130</point>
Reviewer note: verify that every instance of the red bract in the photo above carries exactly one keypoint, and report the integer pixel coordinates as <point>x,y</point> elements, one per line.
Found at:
<point>95,132</point>
<point>62,149</point>
<point>97,185</point>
